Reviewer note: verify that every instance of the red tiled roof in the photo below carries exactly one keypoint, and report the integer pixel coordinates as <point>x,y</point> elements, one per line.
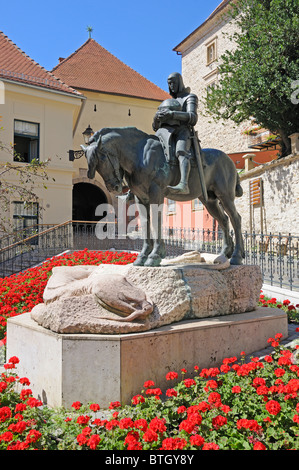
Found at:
<point>260,158</point>
<point>220,7</point>
<point>91,67</point>
<point>18,67</point>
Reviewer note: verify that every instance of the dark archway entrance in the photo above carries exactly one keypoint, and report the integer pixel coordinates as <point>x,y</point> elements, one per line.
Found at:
<point>86,198</point>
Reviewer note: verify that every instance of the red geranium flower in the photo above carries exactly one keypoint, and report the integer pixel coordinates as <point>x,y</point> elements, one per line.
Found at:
<point>148,383</point>
<point>171,375</point>
<point>93,441</point>
<point>77,405</point>
<point>173,443</point>
<point>138,399</point>
<point>210,446</point>
<point>259,446</point>
<point>94,407</point>
<point>189,382</point>
<point>150,436</point>
<point>219,421</point>
<point>273,407</point>
<point>196,440</point>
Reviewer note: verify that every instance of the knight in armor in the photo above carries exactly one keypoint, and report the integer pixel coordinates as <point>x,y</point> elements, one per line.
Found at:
<point>179,115</point>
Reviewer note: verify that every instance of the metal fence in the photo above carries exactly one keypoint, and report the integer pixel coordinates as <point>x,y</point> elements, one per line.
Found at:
<point>276,254</point>
<point>34,249</point>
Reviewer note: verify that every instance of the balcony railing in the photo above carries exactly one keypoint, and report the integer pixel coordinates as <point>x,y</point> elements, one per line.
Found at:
<point>276,254</point>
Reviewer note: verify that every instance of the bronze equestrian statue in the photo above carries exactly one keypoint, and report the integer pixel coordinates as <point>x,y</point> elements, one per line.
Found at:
<point>149,165</point>
<point>177,121</point>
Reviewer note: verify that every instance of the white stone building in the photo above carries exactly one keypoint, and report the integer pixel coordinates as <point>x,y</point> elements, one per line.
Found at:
<point>200,53</point>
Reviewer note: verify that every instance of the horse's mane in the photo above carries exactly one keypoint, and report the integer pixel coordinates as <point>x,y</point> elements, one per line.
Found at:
<point>110,130</point>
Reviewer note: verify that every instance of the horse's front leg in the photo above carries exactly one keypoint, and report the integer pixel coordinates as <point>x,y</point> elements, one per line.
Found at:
<point>159,251</point>
<point>147,247</point>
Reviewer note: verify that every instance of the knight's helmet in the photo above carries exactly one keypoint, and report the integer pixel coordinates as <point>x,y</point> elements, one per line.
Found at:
<point>173,105</point>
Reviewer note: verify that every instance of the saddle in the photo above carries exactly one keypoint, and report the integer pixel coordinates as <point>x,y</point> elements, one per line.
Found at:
<point>165,136</point>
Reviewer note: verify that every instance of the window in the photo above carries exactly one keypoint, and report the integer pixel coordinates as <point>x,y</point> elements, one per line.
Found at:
<point>26,141</point>
<point>25,214</point>
<point>196,205</point>
<point>211,52</point>
<point>170,207</point>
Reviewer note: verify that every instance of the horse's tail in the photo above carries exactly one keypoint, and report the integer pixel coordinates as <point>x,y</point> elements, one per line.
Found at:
<point>239,189</point>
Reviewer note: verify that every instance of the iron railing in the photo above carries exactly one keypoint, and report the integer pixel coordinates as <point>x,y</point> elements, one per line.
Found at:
<point>19,235</point>
<point>276,254</point>
<point>34,249</point>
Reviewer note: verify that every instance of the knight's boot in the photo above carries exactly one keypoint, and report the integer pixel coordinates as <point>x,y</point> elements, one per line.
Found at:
<point>185,166</point>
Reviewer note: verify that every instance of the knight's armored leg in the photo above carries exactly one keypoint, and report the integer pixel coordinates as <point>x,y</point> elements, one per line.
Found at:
<point>185,166</point>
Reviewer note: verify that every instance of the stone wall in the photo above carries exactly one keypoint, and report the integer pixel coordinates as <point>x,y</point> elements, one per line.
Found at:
<point>198,74</point>
<point>279,212</point>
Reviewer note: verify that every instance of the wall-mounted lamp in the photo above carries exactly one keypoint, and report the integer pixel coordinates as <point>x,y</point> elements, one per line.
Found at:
<point>75,154</point>
<point>87,134</point>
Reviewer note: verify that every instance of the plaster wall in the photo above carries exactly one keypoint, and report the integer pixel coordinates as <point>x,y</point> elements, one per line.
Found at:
<point>55,113</point>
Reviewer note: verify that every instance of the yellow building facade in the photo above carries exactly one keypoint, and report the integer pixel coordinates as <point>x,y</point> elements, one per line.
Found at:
<point>116,96</point>
<point>43,115</point>
<point>98,111</point>
<point>38,123</point>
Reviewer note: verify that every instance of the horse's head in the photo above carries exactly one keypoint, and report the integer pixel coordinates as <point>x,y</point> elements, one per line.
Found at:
<point>91,157</point>
<point>106,164</point>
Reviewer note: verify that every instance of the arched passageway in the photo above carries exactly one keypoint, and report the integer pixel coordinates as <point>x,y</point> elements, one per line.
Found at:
<point>86,198</point>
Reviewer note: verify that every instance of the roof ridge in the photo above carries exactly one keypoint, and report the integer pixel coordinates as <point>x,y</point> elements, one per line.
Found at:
<point>72,54</point>
<point>112,55</point>
<point>214,13</point>
<point>135,71</point>
<point>35,63</point>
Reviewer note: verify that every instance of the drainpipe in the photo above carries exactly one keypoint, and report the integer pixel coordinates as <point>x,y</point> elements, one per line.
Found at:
<point>83,102</point>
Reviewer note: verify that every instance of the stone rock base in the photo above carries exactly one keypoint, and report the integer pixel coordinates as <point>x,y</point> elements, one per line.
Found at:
<point>63,368</point>
<point>176,292</point>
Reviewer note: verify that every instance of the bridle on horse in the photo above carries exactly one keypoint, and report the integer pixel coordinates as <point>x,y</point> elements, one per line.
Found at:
<point>115,170</point>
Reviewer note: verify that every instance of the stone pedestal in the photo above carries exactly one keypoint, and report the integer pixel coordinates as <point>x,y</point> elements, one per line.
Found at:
<point>177,293</point>
<point>101,368</point>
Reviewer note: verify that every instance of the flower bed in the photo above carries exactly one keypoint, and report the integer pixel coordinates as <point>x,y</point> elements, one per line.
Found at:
<point>19,293</point>
<point>286,305</point>
<point>243,406</point>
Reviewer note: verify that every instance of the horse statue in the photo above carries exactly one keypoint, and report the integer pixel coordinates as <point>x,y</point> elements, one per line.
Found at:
<point>139,158</point>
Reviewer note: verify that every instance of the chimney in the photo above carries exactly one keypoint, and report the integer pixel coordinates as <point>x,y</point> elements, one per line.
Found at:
<point>61,59</point>
<point>248,161</point>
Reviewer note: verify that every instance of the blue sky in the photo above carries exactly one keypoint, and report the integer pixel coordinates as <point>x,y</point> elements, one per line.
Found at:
<point>140,33</point>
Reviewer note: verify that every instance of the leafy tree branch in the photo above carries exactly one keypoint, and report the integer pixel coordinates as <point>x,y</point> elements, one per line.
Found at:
<point>256,77</point>
<point>18,182</point>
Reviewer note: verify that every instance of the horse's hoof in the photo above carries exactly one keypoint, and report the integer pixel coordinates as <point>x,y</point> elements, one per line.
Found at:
<point>139,261</point>
<point>153,262</point>
<point>236,260</point>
